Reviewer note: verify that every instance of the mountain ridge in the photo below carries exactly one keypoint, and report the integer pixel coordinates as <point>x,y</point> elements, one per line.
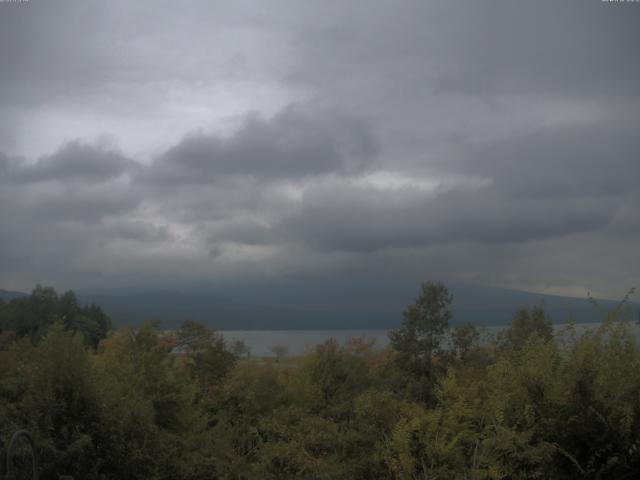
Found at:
<point>477,304</point>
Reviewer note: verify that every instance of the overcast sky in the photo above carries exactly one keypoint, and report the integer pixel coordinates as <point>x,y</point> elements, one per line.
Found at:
<point>146,142</point>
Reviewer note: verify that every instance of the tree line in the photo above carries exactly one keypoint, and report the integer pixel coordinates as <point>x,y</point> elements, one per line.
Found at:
<point>438,403</point>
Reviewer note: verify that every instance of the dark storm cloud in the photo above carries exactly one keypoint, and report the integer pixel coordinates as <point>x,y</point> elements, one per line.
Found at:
<point>74,161</point>
<point>7,165</point>
<point>293,143</point>
<point>526,113</point>
<point>367,220</point>
<point>549,183</point>
<point>64,202</point>
<point>137,230</point>
<point>54,208</point>
<point>596,160</point>
<point>77,183</point>
<point>244,231</point>
<point>83,205</point>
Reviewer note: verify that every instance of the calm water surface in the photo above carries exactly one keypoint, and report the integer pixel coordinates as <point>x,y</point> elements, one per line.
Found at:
<point>297,342</point>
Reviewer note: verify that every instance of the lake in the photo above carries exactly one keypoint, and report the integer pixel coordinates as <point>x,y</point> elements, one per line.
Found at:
<point>298,342</point>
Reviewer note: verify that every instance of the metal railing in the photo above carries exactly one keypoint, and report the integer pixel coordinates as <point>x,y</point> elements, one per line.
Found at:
<point>7,466</point>
<point>9,472</point>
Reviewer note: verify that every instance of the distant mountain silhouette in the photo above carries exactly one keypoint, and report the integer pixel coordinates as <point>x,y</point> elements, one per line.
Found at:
<point>171,308</point>
<point>7,295</point>
<point>289,309</point>
<point>318,309</point>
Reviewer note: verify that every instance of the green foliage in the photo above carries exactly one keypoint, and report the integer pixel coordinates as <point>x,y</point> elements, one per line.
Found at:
<point>207,358</point>
<point>464,339</point>
<point>51,391</point>
<point>31,317</point>
<point>334,375</point>
<point>419,338</point>
<point>424,324</point>
<point>147,404</point>
<point>525,324</point>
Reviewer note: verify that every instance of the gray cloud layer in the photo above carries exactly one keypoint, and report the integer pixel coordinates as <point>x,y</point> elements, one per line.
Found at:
<point>291,144</point>
<point>487,141</point>
<point>73,161</point>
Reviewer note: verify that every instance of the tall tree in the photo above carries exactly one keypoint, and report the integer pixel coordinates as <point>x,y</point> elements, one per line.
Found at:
<point>463,338</point>
<point>418,339</point>
<point>525,324</point>
<point>208,358</point>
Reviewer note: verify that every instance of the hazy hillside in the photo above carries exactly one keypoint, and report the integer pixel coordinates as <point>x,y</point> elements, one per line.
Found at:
<point>347,308</point>
<point>7,295</point>
<point>170,308</point>
<point>343,308</point>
